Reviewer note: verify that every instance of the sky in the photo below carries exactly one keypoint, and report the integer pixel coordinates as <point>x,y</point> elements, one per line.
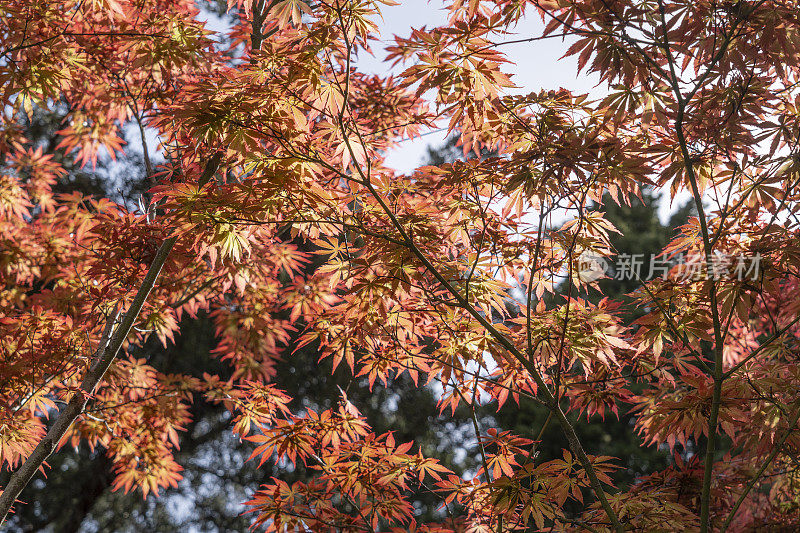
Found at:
<point>536,65</point>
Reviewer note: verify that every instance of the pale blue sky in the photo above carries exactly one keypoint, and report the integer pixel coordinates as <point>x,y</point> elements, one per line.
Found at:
<point>536,65</point>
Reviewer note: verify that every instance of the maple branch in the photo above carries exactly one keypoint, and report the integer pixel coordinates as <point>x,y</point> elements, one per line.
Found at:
<point>550,400</point>
<point>109,346</point>
<point>717,375</point>
<point>476,427</point>
<point>476,375</point>
<point>761,470</point>
<point>763,345</point>
<point>529,296</point>
<point>784,168</point>
<point>716,394</point>
<point>192,293</point>
<point>104,356</point>
<point>346,495</point>
<point>672,324</point>
<point>145,150</point>
<point>260,12</point>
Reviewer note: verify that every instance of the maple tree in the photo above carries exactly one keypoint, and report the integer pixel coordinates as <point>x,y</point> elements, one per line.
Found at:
<point>274,148</point>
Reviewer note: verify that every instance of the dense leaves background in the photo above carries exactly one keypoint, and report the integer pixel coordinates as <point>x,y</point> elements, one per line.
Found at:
<point>217,476</point>
<point>216,296</point>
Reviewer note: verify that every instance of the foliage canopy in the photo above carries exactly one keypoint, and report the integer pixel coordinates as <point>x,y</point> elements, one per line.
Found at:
<point>274,148</point>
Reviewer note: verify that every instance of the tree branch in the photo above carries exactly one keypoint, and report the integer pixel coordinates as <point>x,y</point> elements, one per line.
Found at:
<point>104,356</point>
<point>761,470</point>
<point>549,399</point>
